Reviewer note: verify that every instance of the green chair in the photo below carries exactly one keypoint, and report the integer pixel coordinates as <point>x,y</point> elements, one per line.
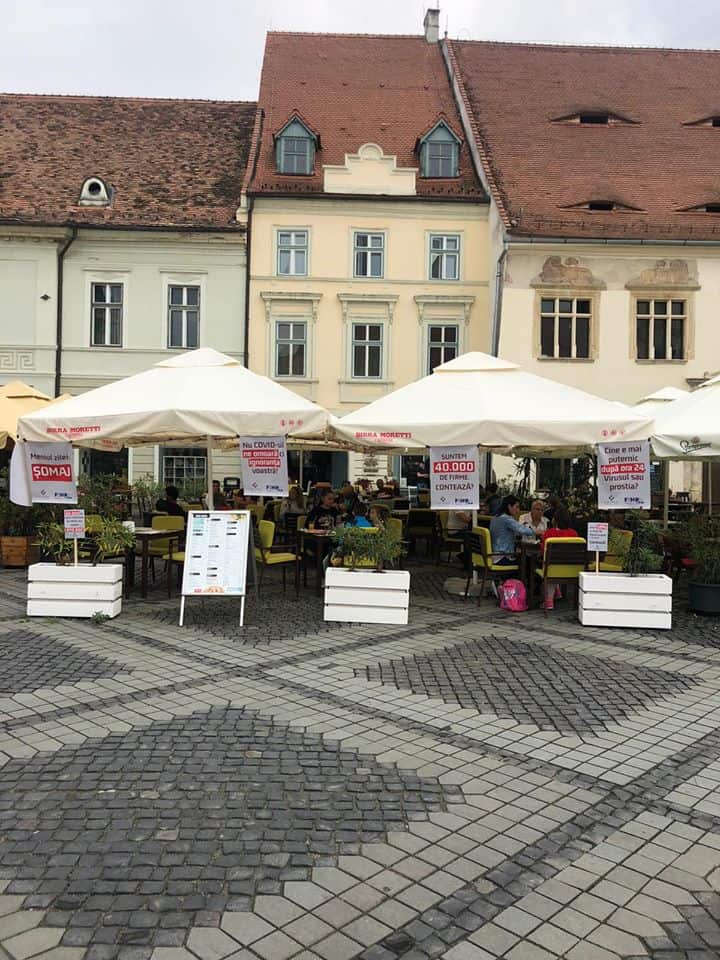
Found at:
<point>263,537</point>
<point>482,561</point>
<point>564,560</point>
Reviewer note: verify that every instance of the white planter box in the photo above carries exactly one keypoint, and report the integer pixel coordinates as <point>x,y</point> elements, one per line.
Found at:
<point>55,591</point>
<point>365,596</point>
<point>620,600</point>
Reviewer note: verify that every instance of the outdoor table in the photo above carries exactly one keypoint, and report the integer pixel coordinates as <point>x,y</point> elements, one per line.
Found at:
<point>529,552</point>
<point>144,535</point>
<point>323,541</point>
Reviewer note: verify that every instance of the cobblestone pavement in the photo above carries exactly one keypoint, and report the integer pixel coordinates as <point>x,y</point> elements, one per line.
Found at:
<point>474,785</point>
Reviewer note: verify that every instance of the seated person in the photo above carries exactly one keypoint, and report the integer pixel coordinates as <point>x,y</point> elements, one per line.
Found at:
<point>293,503</point>
<point>358,518</point>
<point>493,500</point>
<point>347,497</point>
<point>536,518</point>
<point>325,515</point>
<point>382,493</point>
<point>504,529</point>
<point>168,504</point>
<point>239,500</point>
<point>560,528</point>
<point>376,516</point>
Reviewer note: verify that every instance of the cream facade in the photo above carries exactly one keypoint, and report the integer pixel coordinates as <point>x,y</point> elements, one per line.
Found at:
<point>618,320</point>
<point>119,317</point>
<point>355,295</point>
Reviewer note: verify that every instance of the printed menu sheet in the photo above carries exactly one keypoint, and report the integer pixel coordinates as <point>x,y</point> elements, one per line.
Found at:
<point>216,553</point>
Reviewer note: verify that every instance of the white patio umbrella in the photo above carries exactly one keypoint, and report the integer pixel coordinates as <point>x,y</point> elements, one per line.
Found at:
<point>689,429</point>
<point>493,403</point>
<point>199,397</point>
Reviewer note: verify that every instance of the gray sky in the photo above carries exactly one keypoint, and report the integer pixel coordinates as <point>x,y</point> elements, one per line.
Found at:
<point>213,48</point>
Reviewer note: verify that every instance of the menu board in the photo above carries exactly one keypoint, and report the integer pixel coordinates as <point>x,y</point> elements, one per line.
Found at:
<point>216,553</point>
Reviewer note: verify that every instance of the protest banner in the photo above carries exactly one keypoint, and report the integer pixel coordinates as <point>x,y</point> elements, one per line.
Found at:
<point>264,466</point>
<point>624,475</point>
<point>454,478</point>
<point>49,469</point>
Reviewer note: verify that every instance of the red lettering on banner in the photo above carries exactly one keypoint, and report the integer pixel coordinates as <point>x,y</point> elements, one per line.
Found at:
<point>453,466</point>
<point>613,469</point>
<point>51,473</point>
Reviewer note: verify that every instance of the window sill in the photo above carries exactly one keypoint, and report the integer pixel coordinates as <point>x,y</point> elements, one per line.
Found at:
<point>566,359</point>
<point>291,276</point>
<point>649,360</point>
<point>372,279</point>
<point>361,381</point>
<point>283,379</point>
<point>106,346</point>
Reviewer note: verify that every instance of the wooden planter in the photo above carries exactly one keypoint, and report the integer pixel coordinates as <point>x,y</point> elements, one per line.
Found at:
<point>82,591</point>
<point>621,600</point>
<point>367,596</point>
<point>17,551</point>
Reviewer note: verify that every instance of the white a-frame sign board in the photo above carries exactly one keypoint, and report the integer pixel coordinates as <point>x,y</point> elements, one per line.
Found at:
<point>216,556</point>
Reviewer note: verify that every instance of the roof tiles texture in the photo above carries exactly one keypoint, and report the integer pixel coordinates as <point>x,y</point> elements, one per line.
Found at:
<point>657,163</point>
<point>354,89</point>
<point>170,163</point>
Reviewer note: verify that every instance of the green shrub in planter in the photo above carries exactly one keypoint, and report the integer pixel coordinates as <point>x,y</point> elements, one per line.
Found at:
<point>704,585</point>
<point>360,545</point>
<point>645,553</point>
<point>108,539</point>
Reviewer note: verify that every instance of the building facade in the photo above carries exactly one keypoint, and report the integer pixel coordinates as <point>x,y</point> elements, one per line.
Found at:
<point>369,250</point>
<point>122,244</point>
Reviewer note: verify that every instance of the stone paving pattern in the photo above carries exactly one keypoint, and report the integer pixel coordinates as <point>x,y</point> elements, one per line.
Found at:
<point>474,785</point>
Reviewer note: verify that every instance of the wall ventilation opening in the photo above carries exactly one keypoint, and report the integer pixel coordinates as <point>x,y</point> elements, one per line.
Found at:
<point>95,193</point>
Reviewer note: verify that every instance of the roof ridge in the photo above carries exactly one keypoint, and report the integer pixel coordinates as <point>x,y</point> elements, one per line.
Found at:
<point>457,77</point>
<point>95,96</point>
<point>604,47</point>
<point>325,33</point>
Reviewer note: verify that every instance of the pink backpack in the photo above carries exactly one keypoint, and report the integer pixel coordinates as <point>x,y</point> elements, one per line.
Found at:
<point>513,596</point>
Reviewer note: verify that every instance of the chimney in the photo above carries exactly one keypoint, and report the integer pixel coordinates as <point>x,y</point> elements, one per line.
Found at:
<point>431,23</point>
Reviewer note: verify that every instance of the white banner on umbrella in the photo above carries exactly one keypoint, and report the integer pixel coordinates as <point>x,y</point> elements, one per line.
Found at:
<point>624,475</point>
<point>454,478</point>
<point>264,466</point>
<point>42,473</point>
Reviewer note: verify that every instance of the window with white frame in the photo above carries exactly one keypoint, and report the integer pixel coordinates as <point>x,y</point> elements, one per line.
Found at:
<point>292,253</point>
<point>290,348</point>
<point>183,317</point>
<point>565,327</point>
<point>367,348</point>
<point>369,254</point>
<point>106,311</point>
<point>444,256</point>
<point>661,329</point>
<point>442,344</point>
<point>182,464</point>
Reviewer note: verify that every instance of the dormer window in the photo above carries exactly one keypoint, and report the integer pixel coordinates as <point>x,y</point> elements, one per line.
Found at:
<point>94,193</point>
<point>600,205</point>
<point>711,121</point>
<point>712,207</point>
<point>603,205</point>
<point>594,118</point>
<point>439,152</point>
<point>295,147</point>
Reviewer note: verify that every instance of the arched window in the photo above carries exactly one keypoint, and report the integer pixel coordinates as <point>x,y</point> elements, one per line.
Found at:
<point>439,150</point>
<point>295,149</point>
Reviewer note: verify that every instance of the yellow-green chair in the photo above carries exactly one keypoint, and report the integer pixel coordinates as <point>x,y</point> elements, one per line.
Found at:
<point>564,560</point>
<point>263,537</point>
<point>177,557</point>
<point>395,526</point>
<point>483,561</point>
<point>158,548</point>
<point>448,541</point>
<point>618,546</point>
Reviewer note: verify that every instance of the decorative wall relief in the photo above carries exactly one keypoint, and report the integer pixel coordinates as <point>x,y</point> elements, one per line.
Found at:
<point>567,272</point>
<point>17,360</point>
<point>667,273</point>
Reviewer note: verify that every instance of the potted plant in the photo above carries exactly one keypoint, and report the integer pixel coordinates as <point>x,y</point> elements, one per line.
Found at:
<point>88,589</point>
<point>358,586</point>
<point>639,596</point>
<point>704,585</point>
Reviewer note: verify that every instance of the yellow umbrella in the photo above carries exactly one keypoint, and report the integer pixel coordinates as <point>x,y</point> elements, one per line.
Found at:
<point>17,399</point>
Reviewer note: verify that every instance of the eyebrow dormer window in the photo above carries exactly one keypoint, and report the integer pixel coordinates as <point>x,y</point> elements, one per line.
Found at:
<point>295,149</point>
<point>439,152</point>
<point>94,193</point>
<point>601,205</point>
<point>594,118</point>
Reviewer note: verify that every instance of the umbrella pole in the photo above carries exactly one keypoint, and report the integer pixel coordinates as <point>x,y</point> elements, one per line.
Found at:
<point>300,470</point>
<point>666,493</point>
<point>709,487</point>
<point>210,498</point>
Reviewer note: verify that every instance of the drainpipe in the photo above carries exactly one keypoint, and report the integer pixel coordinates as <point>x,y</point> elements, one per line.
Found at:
<point>62,250</point>
<point>248,242</point>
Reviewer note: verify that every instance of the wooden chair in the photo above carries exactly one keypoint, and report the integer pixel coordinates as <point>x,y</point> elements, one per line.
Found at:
<point>619,545</point>
<point>263,536</point>
<point>482,561</point>
<point>565,559</point>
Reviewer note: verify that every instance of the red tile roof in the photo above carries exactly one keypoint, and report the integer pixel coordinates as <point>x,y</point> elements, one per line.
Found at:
<point>354,89</point>
<point>170,163</point>
<point>538,166</point>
